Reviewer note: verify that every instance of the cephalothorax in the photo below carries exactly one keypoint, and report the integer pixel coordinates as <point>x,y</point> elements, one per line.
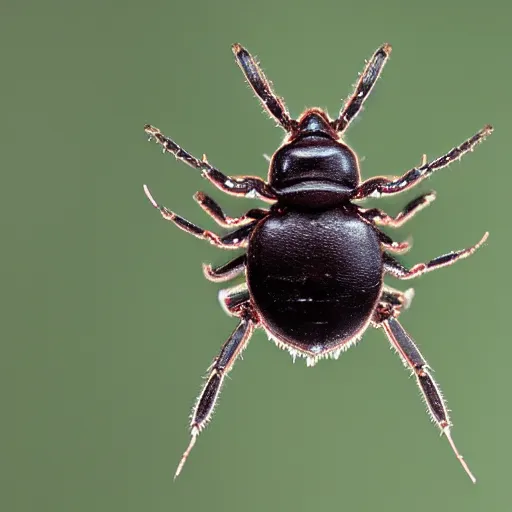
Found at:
<point>315,260</point>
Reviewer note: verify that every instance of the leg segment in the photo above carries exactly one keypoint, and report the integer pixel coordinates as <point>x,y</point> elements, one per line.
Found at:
<point>411,209</point>
<point>380,185</point>
<point>412,359</point>
<point>235,300</point>
<point>238,186</point>
<point>261,86</point>
<point>233,240</point>
<point>363,88</point>
<point>227,271</point>
<point>218,370</point>
<point>396,298</point>
<point>396,269</point>
<point>213,209</point>
<point>390,245</point>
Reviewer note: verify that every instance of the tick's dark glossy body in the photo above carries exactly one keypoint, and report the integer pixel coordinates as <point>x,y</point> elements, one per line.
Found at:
<point>314,276</point>
<point>315,259</point>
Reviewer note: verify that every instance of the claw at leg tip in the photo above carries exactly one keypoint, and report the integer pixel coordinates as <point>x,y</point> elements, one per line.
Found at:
<point>149,196</point>
<point>150,130</point>
<point>186,453</point>
<point>446,432</point>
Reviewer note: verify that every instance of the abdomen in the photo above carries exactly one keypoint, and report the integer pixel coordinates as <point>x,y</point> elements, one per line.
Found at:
<point>315,277</point>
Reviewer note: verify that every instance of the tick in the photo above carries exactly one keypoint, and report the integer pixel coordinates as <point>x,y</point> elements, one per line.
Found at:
<point>315,259</point>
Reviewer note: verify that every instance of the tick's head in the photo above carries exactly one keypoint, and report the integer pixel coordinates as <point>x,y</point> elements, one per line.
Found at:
<point>314,122</point>
<point>313,168</point>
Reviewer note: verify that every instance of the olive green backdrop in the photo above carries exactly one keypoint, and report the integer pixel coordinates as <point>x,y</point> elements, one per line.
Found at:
<point>108,324</point>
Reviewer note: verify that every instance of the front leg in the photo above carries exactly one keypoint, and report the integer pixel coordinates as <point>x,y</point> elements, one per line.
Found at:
<point>261,86</point>
<point>364,86</point>
<point>233,240</point>
<point>376,187</point>
<point>249,186</point>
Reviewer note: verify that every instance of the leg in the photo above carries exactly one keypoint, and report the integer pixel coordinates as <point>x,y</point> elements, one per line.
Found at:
<point>242,186</point>
<point>390,245</point>
<point>261,86</point>
<point>233,240</point>
<point>396,298</point>
<point>396,269</point>
<point>363,88</point>
<point>235,300</point>
<point>218,370</point>
<point>412,359</point>
<point>212,208</point>
<point>377,186</point>
<point>227,271</point>
<point>411,209</point>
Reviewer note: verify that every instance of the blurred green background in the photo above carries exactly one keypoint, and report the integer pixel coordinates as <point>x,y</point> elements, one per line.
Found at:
<point>108,324</point>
